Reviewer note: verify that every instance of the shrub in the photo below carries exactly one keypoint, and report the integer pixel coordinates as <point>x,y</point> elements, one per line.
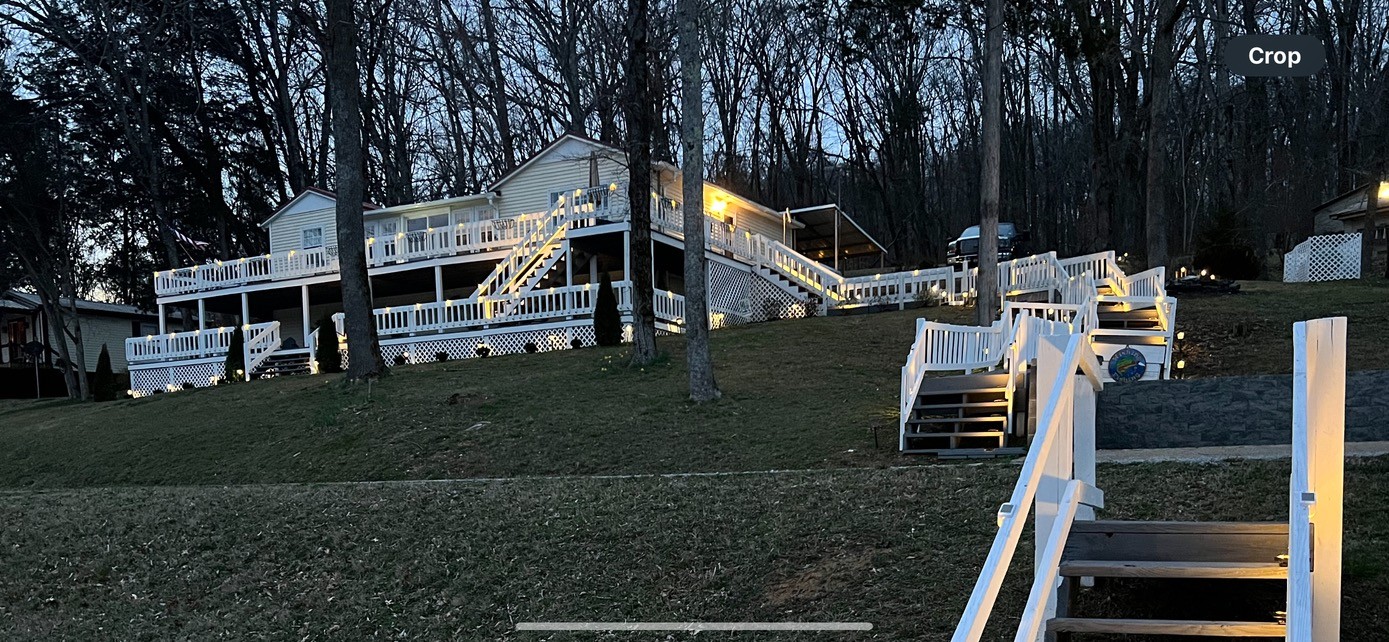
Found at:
<point>531,347</point>
<point>236,357</point>
<point>327,351</point>
<point>1222,248</point>
<point>188,385</point>
<point>576,344</point>
<point>607,320</point>
<point>441,356</point>
<point>400,360</point>
<point>104,380</point>
<point>482,351</point>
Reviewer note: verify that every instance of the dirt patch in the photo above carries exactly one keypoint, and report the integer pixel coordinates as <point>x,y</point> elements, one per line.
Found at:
<point>823,577</point>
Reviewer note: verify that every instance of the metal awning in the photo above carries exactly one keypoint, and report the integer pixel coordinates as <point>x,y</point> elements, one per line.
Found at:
<point>830,234</point>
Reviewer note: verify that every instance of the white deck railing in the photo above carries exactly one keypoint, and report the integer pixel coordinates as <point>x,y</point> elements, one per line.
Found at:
<point>1317,488</point>
<point>1058,475</point>
<point>260,344</point>
<point>192,344</point>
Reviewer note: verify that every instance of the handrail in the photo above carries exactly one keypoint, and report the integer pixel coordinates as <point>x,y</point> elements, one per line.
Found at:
<point>260,346</point>
<point>523,254</point>
<point>1012,516</point>
<point>1034,615</point>
<point>191,344</point>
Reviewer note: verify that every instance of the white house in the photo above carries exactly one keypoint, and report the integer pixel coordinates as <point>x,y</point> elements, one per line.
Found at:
<point>510,269</point>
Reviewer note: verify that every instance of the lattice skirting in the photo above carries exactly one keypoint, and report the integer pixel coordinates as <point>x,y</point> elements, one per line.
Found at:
<point>424,349</point>
<point>1329,257</point>
<point>149,380</point>
<point>737,297</point>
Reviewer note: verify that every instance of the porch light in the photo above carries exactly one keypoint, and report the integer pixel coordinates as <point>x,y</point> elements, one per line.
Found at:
<point>371,240</point>
<point>417,305</point>
<point>246,327</point>
<point>267,256</point>
<point>718,206</point>
<point>243,260</point>
<point>219,262</point>
<point>400,235</point>
<point>612,187</point>
<point>429,230</point>
<point>578,192</point>
<point>387,309</point>
<point>1204,272</point>
<point>291,252</point>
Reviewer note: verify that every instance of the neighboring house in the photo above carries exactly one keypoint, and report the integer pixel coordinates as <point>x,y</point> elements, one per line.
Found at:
<point>22,321</point>
<point>1345,214</point>
<point>513,268</point>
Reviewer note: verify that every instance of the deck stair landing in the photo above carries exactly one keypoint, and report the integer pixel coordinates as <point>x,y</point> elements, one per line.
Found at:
<point>964,415</point>
<point>1165,579</point>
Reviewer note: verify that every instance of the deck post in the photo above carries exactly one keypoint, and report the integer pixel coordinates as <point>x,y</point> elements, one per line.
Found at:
<point>627,254</point>
<point>836,239</point>
<point>304,303</point>
<point>1084,412</point>
<point>1056,468</point>
<point>163,325</point>
<point>438,284</point>
<point>245,310</point>
<point>568,278</point>
<point>202,314</point>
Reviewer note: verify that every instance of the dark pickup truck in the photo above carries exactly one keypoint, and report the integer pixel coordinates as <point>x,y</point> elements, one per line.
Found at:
<point>966,248</point>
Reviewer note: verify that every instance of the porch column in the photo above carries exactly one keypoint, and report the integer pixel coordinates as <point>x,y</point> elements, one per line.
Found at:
<point>836,239</point>
<point>593,270</point>
<point>439,284</point>
<point>202,314</point>
<point>245,310</point>
<point>626,255</point>
<point>163,326</point>
<point>304,302</point>
<point>568,277</point>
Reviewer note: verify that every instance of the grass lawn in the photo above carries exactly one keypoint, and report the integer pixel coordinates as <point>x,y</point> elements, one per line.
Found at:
<point>799,394</point>
<point>1251,332</point>
<point>898,548</point>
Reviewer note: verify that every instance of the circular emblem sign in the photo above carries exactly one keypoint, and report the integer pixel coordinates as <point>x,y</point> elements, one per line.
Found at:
<point>1127,365</point>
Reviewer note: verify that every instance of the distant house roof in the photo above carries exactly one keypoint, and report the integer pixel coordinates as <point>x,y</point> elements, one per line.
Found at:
<point>29,302</point>
<point>304,193</point>
<point>1351,203</point>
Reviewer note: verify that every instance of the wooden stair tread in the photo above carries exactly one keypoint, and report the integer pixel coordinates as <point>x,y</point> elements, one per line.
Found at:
<point>1002,403</point>
<point>1194,570</point>
<point>964,453</point>
<point>1229,629</point>
<point>958,420</point>
<point>975,433</point>
<point>1126,526</point>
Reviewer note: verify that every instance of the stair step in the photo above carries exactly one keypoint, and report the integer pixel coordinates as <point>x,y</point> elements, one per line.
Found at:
<point>944,435</point>
<point>1225,629</point>
<point>964,453</point>
<point>969,404</point>
<point>958,420</point>
<point>1176,542</point>
<point>1271,570</point>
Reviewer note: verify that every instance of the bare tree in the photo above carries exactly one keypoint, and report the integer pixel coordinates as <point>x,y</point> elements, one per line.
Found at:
<point>1158,98</point>
<point>702,384</point>
<point>986,286</point>
<point>640,106</point>
<point>344,91</point>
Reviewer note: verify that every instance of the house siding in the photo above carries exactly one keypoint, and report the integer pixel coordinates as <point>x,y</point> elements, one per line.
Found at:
<point>112,331</point>
<point>286,232</point>
<point>563,168</point>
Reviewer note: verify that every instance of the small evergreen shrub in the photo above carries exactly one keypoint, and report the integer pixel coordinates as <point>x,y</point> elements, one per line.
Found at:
<point>576,344</point>
<point>188,385</point>
<point>607,320</point>
<point>400,360</point>
<point>531,347</point>
<point>327,352</point>
<point>236,357</point>
<point>1222,248</point>
<point>441,356</point>
<point>482,351</point>
<point>104,380</point>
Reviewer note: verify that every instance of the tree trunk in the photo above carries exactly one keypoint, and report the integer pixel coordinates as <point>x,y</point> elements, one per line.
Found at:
<point>1367,233</point>
<point>987,284</point>
<point>640,107</point>
<point>702,385</point>
<point>1157,133</point>
<point>363,350</point>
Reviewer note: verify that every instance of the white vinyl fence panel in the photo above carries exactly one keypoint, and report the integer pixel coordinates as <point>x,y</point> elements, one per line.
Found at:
<point>1330,257</point>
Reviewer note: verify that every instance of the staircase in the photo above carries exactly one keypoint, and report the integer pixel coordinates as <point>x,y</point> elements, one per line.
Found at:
<point>528,260</point>
<point>962,416</point>
<point>1187,579</point>
<point>789,286</point>
<point>1116,317</point>
<point>283,363</point>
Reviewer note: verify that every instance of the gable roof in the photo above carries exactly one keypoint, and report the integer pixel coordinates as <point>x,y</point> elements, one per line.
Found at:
<point>544,151</point>
<point>303,194</point>
<point>17,300</point>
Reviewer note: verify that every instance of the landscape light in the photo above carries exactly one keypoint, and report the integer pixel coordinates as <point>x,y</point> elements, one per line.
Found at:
<point>1181,364</point>
<point>1181,336</point>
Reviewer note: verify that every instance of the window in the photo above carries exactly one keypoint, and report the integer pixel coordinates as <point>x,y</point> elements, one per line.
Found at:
<point>313,237</point>
<point>424,223</point>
